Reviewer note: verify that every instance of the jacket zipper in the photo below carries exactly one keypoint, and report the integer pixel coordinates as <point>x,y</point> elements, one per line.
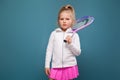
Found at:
<point>62,47</point>
<point>62,50</point>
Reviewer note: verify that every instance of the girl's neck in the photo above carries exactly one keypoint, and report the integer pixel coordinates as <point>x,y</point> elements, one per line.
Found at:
<point>64,30</point>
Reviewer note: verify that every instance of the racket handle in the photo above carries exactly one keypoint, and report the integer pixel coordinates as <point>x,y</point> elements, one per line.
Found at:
<point>65,41</point>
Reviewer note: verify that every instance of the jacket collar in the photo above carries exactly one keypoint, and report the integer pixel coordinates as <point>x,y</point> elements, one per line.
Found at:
<point>69,30</point>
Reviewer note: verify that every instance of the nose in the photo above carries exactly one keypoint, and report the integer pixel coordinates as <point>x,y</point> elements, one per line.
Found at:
<point>64,21</point>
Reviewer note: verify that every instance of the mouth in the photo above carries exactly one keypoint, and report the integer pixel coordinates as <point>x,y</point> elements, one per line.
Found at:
<point>64,24</point>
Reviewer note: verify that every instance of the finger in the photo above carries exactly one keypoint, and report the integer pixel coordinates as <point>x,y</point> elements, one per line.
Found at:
<point>69,40</point>
<point>68,36</point>
<point>48,72</point>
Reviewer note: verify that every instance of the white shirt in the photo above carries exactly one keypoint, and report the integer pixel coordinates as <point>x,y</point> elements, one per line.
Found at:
<point>60,53</point>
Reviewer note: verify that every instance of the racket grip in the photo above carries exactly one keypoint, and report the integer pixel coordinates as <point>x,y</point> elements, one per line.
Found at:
<point>65,41</point>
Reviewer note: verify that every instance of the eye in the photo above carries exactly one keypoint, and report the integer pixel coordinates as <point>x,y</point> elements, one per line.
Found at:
<point>61,18</point>
<point>67,18</point>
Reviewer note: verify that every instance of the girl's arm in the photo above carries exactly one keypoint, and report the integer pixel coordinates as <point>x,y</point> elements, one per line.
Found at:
<point>74,45</point>
<point>49,51</point>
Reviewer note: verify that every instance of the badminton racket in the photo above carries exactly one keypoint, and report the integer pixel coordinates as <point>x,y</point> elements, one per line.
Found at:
<point>81,23</point>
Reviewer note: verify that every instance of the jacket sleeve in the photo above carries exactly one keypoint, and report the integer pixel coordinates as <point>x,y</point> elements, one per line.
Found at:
<point>75,45</point>
<point>49,51</point>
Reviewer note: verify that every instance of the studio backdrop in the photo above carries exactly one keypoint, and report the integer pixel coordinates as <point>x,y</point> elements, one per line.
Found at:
<point>25,27</point>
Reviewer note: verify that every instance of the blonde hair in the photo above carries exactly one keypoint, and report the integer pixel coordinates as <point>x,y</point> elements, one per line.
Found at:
<point>67,8</point>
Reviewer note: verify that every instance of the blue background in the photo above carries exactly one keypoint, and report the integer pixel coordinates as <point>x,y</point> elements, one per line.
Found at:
<point>25,27</point>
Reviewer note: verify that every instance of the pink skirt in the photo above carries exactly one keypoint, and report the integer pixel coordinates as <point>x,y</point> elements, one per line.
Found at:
<point>64,73</point>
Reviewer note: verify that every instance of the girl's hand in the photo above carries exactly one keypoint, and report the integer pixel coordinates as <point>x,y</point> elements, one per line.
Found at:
<point>68,39</point>
<point>47,71</point>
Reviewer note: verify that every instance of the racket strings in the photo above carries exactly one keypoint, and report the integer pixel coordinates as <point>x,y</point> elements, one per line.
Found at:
<point>82,22</point>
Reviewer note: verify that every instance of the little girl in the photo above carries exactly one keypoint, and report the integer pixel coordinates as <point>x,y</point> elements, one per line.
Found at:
<point>61,54</point>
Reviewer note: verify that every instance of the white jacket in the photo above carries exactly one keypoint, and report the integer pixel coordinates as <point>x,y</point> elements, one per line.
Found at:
<point>61,53</point>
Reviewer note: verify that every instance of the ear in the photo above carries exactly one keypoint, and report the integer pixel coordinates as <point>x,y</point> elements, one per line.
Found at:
<point>57,23</point>
<point>74,22</point>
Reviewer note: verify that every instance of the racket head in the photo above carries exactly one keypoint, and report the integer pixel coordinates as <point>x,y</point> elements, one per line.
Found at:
<point>82,23</point>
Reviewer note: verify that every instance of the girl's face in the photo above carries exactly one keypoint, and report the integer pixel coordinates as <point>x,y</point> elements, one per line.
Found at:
<point>65,20</point>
